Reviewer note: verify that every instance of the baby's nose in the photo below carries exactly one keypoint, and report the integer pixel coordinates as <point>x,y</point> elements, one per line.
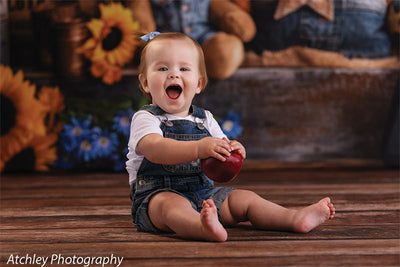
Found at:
<point>173,75</point>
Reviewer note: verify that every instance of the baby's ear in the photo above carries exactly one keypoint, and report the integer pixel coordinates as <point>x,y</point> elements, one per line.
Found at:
<point>200,85</point>
<point>143,82</point>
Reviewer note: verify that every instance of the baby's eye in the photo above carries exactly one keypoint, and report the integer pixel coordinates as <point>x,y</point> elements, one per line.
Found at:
<point>162,69</point>
<point>184,69</point>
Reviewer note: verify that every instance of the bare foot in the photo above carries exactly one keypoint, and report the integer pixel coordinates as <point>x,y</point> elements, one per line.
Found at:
<point>310,217</point>
<point>212,228</point>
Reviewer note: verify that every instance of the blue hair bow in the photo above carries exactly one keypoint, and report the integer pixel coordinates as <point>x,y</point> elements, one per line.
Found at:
<point>149,37</point>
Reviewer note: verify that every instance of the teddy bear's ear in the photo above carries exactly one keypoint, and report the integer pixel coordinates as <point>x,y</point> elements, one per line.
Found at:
<point>393,23</point>
<point>230,18</point>
<point>243,4</point>
<point>393,17</point>
<point>141,12</point>
<point>223,54</point>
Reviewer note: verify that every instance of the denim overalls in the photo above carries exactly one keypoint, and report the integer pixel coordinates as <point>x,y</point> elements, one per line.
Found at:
<point>185,179</point>
<point>186,16</point>
<point>358,29</point>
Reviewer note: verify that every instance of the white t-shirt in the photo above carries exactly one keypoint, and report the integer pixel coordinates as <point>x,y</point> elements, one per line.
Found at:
<point>144,123</point>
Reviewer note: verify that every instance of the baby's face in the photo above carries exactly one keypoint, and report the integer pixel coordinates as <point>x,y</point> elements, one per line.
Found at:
<point>172,75</point>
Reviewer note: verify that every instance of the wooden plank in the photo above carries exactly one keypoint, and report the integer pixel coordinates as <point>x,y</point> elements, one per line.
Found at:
<point>50,180</point>
<point>260,175</point>
<point>81,210</point>
<point>129,234</point>
<point>65,191</point>
<point>301,188</point>
<point>294,189</point>
<point>68,211</point>
<point>302,197</point>
<point>54,222</point>
<point>64,201</point>
<point>188,249</point>
<point>360,218</point>
<point>342,163</point>
<point>311,260</point>
<point>380,217</point>
<point>89,215</point>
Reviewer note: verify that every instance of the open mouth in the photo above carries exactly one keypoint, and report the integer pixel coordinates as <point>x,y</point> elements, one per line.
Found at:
<point>174,91</point>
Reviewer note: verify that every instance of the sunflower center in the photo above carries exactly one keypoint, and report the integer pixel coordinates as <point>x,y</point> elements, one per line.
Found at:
<point>8,114</point>
<point>25,160</point>
<point>113,39</point>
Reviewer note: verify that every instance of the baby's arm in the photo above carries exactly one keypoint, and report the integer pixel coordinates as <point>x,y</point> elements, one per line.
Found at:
<point>161,150</point>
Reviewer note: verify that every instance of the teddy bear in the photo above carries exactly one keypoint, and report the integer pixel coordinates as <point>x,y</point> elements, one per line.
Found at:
<point>325,33</point>
<point>220,26</point>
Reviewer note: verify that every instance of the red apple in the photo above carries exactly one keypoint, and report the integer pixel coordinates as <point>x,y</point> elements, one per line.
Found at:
<point>222,171</point>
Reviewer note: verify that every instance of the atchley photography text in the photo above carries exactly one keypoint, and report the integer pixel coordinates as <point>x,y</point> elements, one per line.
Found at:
<point>59,259</point>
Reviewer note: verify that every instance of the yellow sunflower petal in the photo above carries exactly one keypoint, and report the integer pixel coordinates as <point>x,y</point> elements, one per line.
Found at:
<point>44,152</point>
<point>95,26</point>
<point>27,117</point>
<point>112,75</point>
<point>87,46</point>
<point>98,54</point>
<point>52,99</point>
<point>113,15</point>
<point>98,68</point>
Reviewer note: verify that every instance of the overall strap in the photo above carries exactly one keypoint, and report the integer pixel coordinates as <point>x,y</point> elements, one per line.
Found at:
<point>153,109</point>
<point>197,112</point>
<point>157,111</point>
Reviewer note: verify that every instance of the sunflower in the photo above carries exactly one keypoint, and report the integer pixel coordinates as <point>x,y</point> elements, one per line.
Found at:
<point>35,155</point>
<point>113,36</point>
<point>109,72</point>
<point>53,101</point>
<point>22,115</point>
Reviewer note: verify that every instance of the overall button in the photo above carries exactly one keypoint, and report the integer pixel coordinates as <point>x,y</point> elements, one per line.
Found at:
<point>142,182</point>
<point>200,126</point>
<point>168,123</point>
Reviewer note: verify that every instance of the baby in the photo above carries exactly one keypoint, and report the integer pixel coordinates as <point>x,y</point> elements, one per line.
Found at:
<point>169,191</point>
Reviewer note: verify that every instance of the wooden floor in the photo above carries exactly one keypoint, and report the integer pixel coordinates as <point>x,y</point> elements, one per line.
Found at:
<point>88,215</point>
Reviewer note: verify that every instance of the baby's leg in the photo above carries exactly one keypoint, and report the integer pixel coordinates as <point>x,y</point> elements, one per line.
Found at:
<point>171,212</point>
<point>243,205</point>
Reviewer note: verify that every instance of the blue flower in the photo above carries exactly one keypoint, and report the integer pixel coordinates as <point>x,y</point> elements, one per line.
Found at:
<point>104,143</point>
<point>122,121</point>
<point>64,162</point>
<point>86,151</point>
<point>231,125</point>
<point>119,162</point>
<point>74,133</point>
<point>119,159</point>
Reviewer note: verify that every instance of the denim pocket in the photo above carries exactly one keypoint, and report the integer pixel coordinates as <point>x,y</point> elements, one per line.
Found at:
<point>317,32</point>
<point>189,167</point>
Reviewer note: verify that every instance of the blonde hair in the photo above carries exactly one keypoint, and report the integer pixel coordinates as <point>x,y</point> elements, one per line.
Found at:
<point>172,36</point>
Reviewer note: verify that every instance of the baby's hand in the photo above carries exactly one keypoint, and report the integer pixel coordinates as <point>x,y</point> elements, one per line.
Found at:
<point>213,147</point>
<point>235,145</point>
